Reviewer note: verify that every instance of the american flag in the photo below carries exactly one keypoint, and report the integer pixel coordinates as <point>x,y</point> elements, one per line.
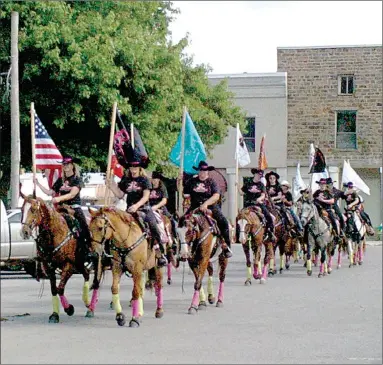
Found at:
<point>47,157</point>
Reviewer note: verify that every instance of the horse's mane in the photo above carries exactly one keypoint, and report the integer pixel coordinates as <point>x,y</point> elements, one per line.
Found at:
<point>124,216</point>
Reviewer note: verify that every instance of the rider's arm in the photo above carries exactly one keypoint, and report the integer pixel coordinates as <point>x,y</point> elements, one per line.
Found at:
<point>355,202</point>
<point>160,204</point>
<point>212,200</point>
<point>144,199</point>
<point>261,198</point>
<point>115,189</point>
<point>49,192</point>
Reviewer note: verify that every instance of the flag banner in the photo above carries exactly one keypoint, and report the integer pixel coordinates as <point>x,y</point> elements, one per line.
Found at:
<point>241,153</point>
<point>311,155</point>
<point>262,162</point>
<point>47,156</point>
<point>194,150</point>
<point>118,170</point>
<point>298,184</point>
<point>319,162</point>
<point>349,174</point>
<point>122,144</point>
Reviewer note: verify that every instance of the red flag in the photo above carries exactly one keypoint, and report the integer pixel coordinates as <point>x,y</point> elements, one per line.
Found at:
<point>117,169</point>
<point>48,157</point>
<point>262,162</point>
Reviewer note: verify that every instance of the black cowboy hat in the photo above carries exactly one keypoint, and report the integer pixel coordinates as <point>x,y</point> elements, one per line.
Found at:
<point>329,180</point>
<point>257,171</point>
<point>323,180</point>
<point>157,175</point>
<point>69,159</point>
<point>272,173</point>
<point>203,166</point>
<point>350,184</point>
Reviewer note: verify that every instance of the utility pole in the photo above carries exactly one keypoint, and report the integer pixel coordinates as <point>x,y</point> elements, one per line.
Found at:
<point>15,112</point>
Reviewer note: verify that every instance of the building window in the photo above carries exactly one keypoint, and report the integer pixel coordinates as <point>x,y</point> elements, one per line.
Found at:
<point>345,84</point>
<point>346,129</point>
<point>249,137</point>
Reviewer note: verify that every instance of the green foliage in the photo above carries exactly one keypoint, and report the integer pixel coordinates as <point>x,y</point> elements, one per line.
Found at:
<point>77,58</point>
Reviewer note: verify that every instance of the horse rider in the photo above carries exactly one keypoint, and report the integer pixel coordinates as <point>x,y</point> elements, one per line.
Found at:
<point>273,187</point>
<point>255,192</point>
<point>324,200</point>
<point>287,200</point>
<point>204,194</point>
<point>337,194</point>
<point>158,198</point>
<point>136,186</point>
<point>66,190</point>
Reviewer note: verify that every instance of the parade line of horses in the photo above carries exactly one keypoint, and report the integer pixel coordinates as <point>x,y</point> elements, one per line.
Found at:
<point>198,242</point>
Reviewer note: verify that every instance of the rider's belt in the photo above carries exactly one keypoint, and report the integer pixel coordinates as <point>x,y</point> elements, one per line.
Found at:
<point>74,206</point>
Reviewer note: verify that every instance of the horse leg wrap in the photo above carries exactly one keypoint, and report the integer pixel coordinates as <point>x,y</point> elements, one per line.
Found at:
<point>264,271</point>
<point>160,300</point>
<point>220,291</point>
<point>249,271</point>
<point>210,290</point>
<point>308,265</point>
<point>195,300</point>
<point>202,296</point>
<point>55,304</point>
<point>93,302</point>
<point>169,271</point>
<point>85,293</point>
<point>116,303</point>
<point>135,308</point>
<point>140,306</point>
<point>64,301</point>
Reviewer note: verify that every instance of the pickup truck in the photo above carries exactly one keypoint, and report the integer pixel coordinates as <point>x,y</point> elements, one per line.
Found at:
<point>15,250</point>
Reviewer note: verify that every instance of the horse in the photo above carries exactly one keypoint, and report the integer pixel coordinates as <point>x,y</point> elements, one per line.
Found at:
<point>57,248</point>
<point>131,253</point>
<point>199,244</point>
<point>319,234</point>
<point>355,233</point>
<point>251,232</point>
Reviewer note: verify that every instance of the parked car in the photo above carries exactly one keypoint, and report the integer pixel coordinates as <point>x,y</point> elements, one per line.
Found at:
<point>16,251</point>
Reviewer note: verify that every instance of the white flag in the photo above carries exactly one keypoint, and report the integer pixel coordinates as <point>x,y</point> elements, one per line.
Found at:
<point>311,155</point>
<point>349,174</point>
<point>299,184</point>
<point>241,152</point>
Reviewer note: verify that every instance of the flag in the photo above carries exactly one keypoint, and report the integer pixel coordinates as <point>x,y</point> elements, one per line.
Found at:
<point>47,155</point>
<point>122,144</point>
<point>298,184</point>
<point>194,150</point>
<point>241,152</point>
<point>262,162</point>
<point>117,169</point>
<point>311,155</point>
<point>319,162</point>
<point>349,174</point>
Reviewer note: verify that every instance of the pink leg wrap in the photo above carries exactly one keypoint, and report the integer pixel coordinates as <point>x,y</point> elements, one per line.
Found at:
<point>339,257</point>
<point>321,269</point>
<point>94,300</point>
<point>329,262</point>
<point>169,271</point>
<point>135,308</point>
<point>264,271</point>
<point>360,253</point>
<point>160,300</point>
<point>195,300</point>
<point>64,301</point>
<point>220,291</point>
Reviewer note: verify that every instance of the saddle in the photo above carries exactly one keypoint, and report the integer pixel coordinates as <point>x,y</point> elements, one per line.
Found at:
<point>257,211</point>
<point>212,222</point>
<point>68,213</point>
<point>165,236</point>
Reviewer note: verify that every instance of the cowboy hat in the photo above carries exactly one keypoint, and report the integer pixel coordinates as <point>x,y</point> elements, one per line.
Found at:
<point>272,173</point>
<point>329,181</point>
<point>285,183</point>
<point>203,166</point>
<point>305,190</point>
<point>257,171</point>
<point>157,175</point>
<point>323,180</point>
<point>350,184</point>
<point>69,159</point>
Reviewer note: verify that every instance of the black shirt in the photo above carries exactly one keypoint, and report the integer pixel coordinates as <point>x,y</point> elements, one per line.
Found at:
<point>351,197</point>
<point>289,197</point>
<point>134,188</point>
<point>253,191</point>
<point>273,190</point>
<point>337,194</point>
<point>63,187</point>
<point>326,194</point>
<point>200,191</point>
<point>157,194</point>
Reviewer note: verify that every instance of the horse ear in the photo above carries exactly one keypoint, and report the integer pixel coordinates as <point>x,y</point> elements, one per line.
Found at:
<point>93,211</point>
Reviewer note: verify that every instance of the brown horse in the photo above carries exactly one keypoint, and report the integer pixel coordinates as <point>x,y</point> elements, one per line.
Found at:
<point>132,252</point>
<point>251,235</point>
<point>200,243</point>
<point>56,249</point>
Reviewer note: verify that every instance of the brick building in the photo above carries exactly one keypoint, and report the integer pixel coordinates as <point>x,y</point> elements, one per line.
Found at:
<point>334,100</point>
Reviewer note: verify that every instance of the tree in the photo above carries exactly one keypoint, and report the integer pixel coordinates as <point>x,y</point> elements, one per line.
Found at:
<point>77,58</point>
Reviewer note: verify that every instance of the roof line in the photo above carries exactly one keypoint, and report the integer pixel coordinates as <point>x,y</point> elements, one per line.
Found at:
<point>340,46</point>
<point>245,74</point>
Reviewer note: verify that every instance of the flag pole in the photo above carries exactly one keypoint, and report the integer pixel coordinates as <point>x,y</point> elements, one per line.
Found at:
<point>180,183</point>
<point>132,135</point>
<point>236,172</point>
<point>110,151</point>
<point>33,147</point>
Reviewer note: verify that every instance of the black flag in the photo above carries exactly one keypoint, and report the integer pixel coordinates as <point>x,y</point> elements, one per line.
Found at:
<point>122,145</point>
<point>319,164</point>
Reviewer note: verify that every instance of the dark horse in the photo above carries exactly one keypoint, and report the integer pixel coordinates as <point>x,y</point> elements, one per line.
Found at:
<point>56,249</point>
<point>199,243</point>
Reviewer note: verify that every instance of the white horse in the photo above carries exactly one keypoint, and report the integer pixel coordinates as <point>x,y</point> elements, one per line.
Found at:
<point>355,233</point>
<point>319,235</point>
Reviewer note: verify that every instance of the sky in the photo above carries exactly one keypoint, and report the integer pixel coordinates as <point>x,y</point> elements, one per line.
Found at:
<point>243,36</point>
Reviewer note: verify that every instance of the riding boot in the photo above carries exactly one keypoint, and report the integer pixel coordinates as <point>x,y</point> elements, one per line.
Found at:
<point>161,258</point>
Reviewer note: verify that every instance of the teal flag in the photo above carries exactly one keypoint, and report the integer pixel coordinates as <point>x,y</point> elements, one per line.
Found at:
<point>194,148</point>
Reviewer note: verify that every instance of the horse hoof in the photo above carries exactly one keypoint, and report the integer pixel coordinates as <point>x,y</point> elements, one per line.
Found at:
<point>133,323</point>
<point>169,281</point>
<point>360,262</point>
<point>111,305</point>
<point>350,266</point>
<point>256,276</point>
<point>329,270</point>
<point>202,305</point>
<point>287,267</point>
<point>193,310</point>
<point>248,282</point>
<point>309,272</point>
<point>54,318</point>
<point>280,271</point>
<point>219,304</point>
<point>320,275</point>
<point>89,314</point>
<point>120,318</point>
<point>338,267</point>
<point>211,299</point>
<point>70,310</point>
<point>274,271</point>
<point>270,274</point>
<point>305,264</point>
<point>263,281</point>
<point>159,313</point>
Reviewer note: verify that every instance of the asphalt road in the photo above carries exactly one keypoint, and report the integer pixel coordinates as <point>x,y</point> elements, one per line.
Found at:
<point>293,318</point>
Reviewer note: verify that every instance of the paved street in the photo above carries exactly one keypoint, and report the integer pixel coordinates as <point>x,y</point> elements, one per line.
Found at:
<point>291,319</point>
